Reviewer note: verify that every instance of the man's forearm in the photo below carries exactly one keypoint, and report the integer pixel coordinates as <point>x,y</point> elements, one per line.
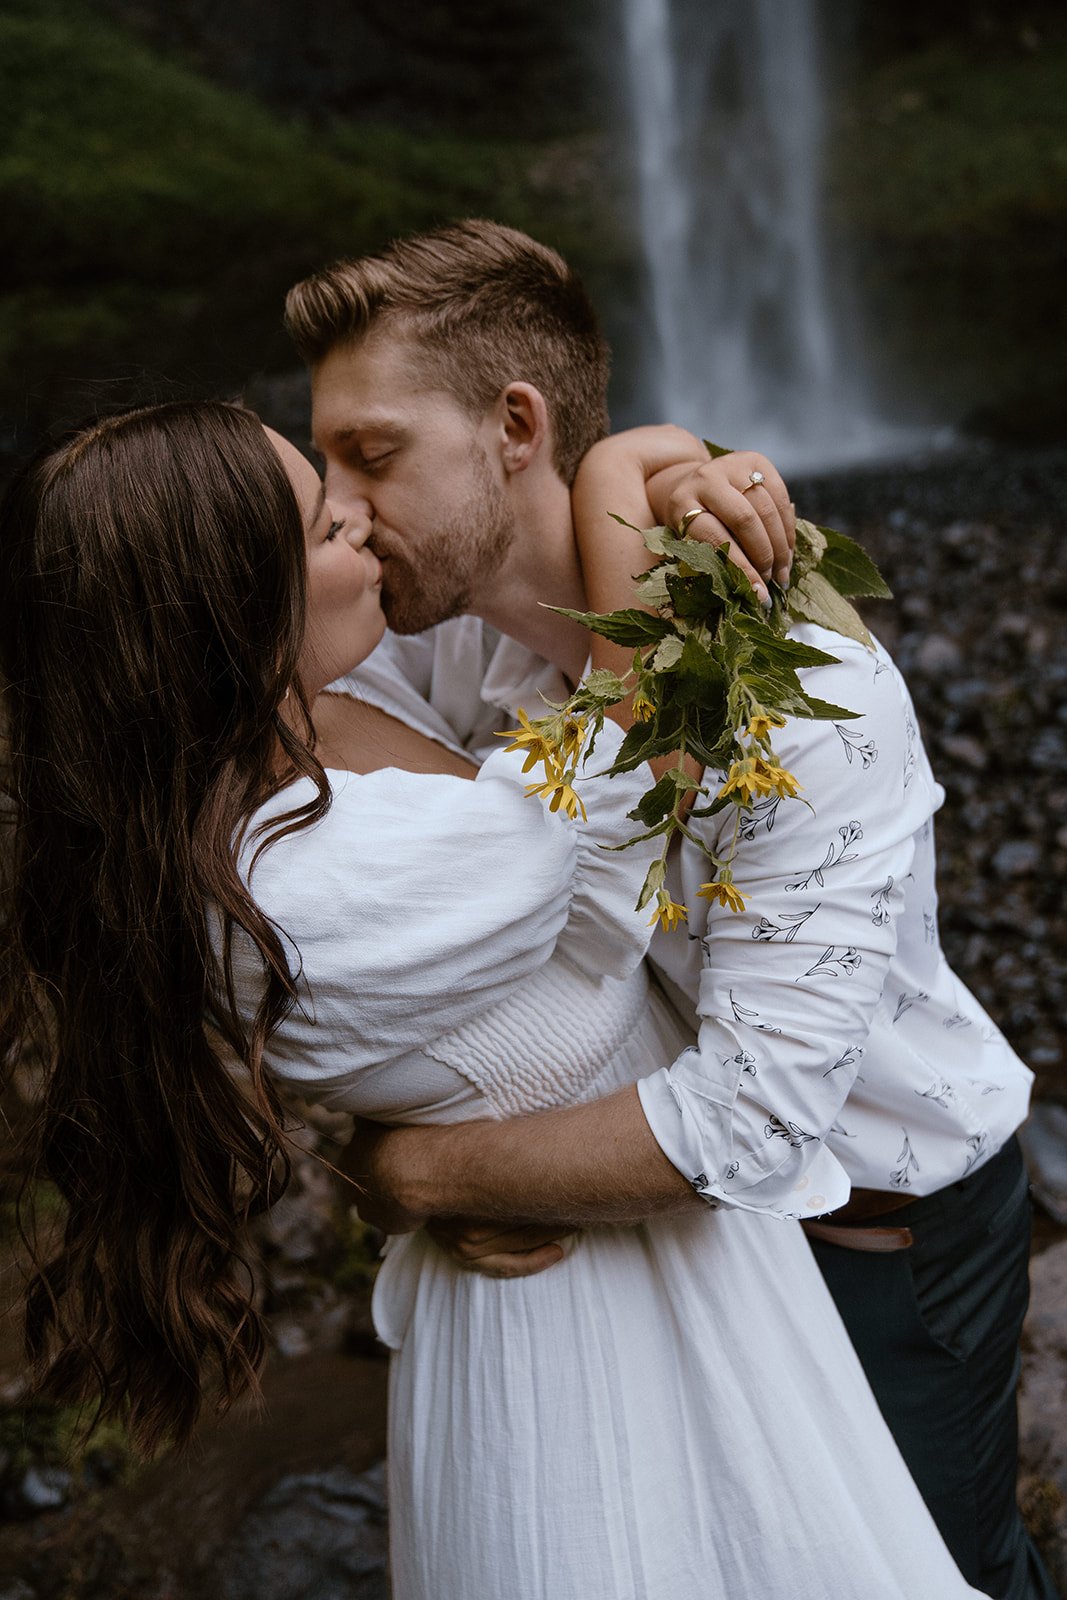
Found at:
<point>583,1164</point>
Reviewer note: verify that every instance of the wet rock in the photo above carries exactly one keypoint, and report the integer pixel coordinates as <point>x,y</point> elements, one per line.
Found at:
<point>290,1339</point>
<point>1043,1407</point>
<point>40,1489</point>
<point>936,654</point>
<point>1018,858</point>
<point>314,1536</point>
<point>963,748</point>
<point>1044,1141</point>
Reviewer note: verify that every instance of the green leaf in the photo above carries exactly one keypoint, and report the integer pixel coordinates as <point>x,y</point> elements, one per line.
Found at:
<point>657,802</point>
<point>784,694</point>
<point>813,599</point>
<point>640,744</point>
<point>666,654</point>
<point>770,646</point>
<point>700,679</point>
<point>622,627</point>
<point>850,569</point>
<point>717,805</point>
<point>653,882</point>
<point>601,687</point>
<point>810,549</point>
<point>653,586</point>
<point>717,450</point>
<point>825,711</point>
<point>699,558</point>
<point>696,599</point>
<point>656,538</point>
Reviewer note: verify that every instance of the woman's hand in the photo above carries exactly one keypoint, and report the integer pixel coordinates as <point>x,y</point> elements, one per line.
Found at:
<point>656,475</point>
<point>756,521</point>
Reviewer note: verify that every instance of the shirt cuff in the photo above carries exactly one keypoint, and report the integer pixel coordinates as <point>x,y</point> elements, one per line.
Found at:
<point>696,1139</point>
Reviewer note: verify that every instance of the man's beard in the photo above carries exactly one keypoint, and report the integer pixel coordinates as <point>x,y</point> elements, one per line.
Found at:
<point>469,549</point>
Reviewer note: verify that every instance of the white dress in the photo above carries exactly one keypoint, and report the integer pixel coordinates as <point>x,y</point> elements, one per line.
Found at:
<point>673,1410</point>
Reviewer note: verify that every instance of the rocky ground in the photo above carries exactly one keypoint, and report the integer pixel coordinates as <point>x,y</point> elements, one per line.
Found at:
<point>288,1504</point>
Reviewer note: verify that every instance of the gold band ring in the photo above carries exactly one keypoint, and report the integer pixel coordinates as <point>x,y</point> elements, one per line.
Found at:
<point>690,516</point>
<point>754,481</point>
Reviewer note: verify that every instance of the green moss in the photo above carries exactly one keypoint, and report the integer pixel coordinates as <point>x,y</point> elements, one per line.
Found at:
<point>60,1436</point>
<point>949,140</point>
<point>356,1261</point>
<point>949,165</point>
<point>154,219</point>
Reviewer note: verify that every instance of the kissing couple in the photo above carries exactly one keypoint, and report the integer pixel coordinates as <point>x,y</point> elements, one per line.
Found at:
<point>708,1254</point>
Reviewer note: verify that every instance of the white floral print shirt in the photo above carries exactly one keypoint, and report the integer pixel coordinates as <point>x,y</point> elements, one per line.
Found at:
<point>836,1047</point>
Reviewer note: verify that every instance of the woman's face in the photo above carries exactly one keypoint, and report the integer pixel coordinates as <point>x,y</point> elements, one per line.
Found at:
<point>344,619</point>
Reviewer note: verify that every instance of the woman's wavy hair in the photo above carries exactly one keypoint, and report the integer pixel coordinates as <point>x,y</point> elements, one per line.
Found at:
<point>152,609</point>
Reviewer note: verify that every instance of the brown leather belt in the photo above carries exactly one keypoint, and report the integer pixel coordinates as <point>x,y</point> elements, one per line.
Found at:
<point>864,1203</point>
<point>880,1240</point>
<point>844,1227</point>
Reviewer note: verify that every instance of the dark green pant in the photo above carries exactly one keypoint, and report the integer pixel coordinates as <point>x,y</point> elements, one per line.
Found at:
<point>937,1330</point>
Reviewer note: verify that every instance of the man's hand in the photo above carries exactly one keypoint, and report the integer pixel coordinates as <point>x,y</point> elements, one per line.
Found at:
<point>373,1162</point>
<point>379,1159</point>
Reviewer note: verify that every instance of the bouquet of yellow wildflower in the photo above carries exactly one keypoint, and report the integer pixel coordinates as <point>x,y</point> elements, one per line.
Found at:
<point>713,676</point>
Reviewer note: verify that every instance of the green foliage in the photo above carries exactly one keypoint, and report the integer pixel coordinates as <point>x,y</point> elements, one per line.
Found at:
<point>154,220</point>
<point>356,1260</point>
<point>59,1436</point>
<point>713,674</point>
<point>959,241</point>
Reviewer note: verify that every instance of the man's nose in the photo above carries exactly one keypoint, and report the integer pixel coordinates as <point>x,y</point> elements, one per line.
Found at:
<point>345,492</point>
<point>355,512</point>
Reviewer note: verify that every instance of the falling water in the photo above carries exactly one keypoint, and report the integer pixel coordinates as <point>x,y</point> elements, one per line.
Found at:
<point>745,339</point>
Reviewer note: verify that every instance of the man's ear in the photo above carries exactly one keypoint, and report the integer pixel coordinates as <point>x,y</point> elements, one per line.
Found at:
<point>524,419</point>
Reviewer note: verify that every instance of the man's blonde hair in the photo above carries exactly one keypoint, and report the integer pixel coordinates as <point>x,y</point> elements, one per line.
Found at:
<point>483,306</point>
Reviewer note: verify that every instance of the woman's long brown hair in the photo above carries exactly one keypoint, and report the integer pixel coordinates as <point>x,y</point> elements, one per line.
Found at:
<point>152,600</point>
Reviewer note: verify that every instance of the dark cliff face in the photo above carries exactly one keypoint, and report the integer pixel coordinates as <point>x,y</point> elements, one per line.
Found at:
<point>483,63</point>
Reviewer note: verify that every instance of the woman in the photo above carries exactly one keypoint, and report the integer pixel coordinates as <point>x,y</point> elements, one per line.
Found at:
<point>409,945</point>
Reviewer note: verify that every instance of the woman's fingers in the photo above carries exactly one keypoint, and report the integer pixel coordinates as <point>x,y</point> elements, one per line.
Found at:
<point>747,506</point>
<point>710,529</point>
<point>772,505</point>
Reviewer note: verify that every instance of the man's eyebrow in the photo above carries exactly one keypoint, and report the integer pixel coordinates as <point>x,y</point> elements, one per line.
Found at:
<point>384,430</point>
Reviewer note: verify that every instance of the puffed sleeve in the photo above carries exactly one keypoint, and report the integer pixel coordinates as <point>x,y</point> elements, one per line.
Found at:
<point>419,901</point>
<point>786,991</point>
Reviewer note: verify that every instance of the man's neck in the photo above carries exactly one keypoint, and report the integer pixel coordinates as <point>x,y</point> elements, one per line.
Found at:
<point>542,570</point>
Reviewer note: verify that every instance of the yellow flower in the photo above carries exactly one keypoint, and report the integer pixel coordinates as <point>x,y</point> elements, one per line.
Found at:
<point>559,794</point>
<point>780,781</point>
<point>762,722</point>
<point>644,708</point>
<point>754,776</point>
<point>668,912</point>
<point>531,737</point>
<point>573,738</point>
<point>725,892</point>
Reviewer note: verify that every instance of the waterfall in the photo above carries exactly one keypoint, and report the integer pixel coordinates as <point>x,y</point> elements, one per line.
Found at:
<point>744,342</point>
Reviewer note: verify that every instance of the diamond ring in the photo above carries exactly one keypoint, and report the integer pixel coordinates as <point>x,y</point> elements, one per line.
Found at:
<point>754,481</point>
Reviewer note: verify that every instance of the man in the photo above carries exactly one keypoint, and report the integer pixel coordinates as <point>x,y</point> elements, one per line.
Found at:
<point>458,379</point>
